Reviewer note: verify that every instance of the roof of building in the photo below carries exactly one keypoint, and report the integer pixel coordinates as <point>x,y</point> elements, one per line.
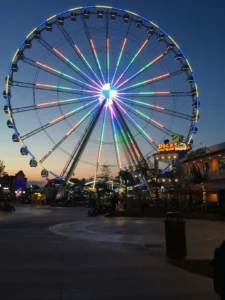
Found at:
<point>204,152</point>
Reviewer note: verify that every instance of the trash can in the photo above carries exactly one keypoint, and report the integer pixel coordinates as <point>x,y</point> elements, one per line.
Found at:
<point>175,236</point>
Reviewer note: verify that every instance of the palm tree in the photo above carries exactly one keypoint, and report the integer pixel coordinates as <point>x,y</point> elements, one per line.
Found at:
<point>2,168</point>
<point>176,137</point>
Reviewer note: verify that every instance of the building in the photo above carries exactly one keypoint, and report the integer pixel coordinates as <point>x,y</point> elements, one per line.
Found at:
<point>211,162</point>
<point>13,183</point>
<point>169,155</point>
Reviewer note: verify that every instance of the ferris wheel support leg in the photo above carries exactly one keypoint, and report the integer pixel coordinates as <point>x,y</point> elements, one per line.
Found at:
<point>134,147</point>
<point>115,140</point>
<point>62,190</point>
<point>141,160</point>
<point>125,139</point>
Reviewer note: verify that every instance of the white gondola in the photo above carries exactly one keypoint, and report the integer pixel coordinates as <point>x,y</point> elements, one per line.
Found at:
<point>28,44</point>
<point>100,14</point>
<point>161,37</point>
<point>48,27</point>
<point>44,173</point>
<point>113,16</point>
<point>86,14</point>
<point>178,56</point>
<point>23,151</point>
<point>138,24</point>
<point>37,35</point>
<point>33,163</point>
<point>185,67</point>
<point>193,92</point>
<point>60,21</point>
<point>150,30</point>
<point>170,47</point>
<point>126,18</point>
<point>14,67</point>
<point>73,17</point>
<point>190,79</point>
<point>20,54</point>
<point>10,124</point>
<point>6,109</point>
<point>15,138</point>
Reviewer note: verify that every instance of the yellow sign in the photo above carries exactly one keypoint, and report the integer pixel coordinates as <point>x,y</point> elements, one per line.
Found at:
<point>175,146</point>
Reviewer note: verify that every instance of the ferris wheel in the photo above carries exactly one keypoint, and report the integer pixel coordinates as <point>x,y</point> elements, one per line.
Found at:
<point>98,77</point>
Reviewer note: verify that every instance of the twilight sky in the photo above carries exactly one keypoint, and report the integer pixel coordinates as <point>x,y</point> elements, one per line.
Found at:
<point>197,27</point>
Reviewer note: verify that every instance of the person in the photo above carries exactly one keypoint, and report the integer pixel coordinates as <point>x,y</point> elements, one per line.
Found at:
<point>114,201</point>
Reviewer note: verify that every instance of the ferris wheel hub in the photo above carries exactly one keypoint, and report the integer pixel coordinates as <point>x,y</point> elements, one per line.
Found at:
<point>109,92</point>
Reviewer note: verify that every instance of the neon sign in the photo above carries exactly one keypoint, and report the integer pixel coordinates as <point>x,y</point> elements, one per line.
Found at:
<point>175,146</point>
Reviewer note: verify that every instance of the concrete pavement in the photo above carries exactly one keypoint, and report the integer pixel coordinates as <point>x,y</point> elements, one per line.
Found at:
<point>98,259</point>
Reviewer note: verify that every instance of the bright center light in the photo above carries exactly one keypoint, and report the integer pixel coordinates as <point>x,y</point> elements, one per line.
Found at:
<point>109,92</point>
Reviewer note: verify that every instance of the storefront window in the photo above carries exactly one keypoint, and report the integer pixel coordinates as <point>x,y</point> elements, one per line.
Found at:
<point>205,167</point>
<point>221,165</point>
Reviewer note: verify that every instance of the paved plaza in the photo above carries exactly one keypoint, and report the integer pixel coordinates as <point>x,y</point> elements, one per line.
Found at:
<point>60,253</point>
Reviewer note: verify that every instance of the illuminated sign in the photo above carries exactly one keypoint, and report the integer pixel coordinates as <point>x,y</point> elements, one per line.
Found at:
<point>175,146</point>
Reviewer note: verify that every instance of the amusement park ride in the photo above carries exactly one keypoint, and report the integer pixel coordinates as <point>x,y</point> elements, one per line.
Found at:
<point>99,64</point>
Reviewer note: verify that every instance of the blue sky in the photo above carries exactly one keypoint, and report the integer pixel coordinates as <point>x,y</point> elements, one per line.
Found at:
<point>197,27</point>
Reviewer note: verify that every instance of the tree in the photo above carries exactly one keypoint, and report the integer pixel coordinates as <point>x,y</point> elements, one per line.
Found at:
<point>199,178</point>
<point>176,137</point>
<point>2,168</point>
<point>106,171</point>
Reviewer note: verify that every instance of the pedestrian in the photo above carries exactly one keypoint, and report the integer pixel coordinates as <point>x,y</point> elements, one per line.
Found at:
<point>114,201</point>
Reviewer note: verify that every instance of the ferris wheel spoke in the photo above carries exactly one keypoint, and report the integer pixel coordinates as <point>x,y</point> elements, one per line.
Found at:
<point>132,60</point>
<point>88,64</point>
<point>155,94</point>
<point>152,80</point>
<point>78,52</point>
<point>146,118</point>
<point>49,87</point>
<point>115,138</point>
<point>107,48</point>
<point>121,53</point>
<point>157,108</point>
<point>57,120</point>
<point>67,61</point>
<point>93,49</point>
<point>124,138</point>
<point>157,59</point>
<point>100,145</point>
<point>138,128</point>
<point>51,104</point>
<point>58,73</point>
<point>68,133</point>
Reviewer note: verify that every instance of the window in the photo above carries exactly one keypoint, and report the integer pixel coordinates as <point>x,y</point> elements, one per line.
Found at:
<point>221,163</point>
<point>205,167</point>
<point>192,169</point>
